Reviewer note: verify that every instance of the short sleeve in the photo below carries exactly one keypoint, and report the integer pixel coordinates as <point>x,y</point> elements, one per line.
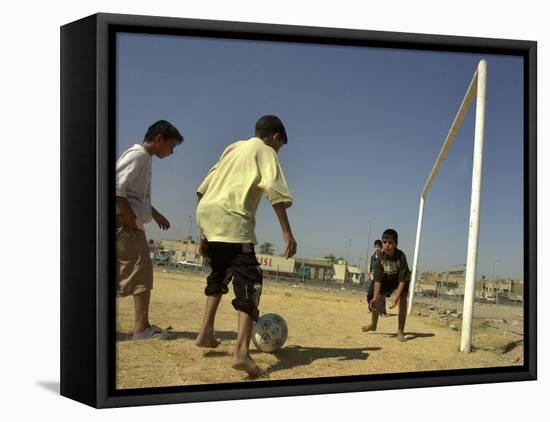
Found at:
<point>272,178</point>
<point>206,182</point>
<point>128,168</point>
<point>404,273</point>
<point>203,187</point>
<point>378,272</point>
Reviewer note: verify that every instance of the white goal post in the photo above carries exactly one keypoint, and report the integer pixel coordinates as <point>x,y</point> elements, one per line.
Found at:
<point>477,88</point>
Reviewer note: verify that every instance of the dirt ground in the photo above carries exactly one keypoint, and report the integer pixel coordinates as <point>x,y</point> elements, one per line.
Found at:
<point>325,337</point>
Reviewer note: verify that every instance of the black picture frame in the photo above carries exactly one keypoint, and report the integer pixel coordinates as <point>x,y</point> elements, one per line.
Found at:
<point>87,195</point>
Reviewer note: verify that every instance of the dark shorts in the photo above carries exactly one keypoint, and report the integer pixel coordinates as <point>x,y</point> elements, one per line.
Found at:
<point>235,262</point>
<point>388,287</point>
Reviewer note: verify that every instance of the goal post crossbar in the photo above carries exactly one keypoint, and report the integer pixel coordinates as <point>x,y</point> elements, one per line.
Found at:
<point>477,88</point>
<point>459,118</point>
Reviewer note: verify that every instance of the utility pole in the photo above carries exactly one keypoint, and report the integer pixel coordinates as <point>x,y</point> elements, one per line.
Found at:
<point>496,280</point>
<point>368,250</point>
<point>188,237</point>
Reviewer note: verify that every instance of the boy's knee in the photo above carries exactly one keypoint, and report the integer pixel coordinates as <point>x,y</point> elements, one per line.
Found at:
<point>213,290</point>
<point>247,295</point>
<point>248,307</point>
<point>217,285</point>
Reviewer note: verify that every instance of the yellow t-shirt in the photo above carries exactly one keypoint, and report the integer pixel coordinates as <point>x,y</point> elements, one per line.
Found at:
<point>233,188</point>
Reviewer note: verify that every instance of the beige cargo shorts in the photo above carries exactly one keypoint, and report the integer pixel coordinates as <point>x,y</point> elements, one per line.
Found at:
<point>133,262</point>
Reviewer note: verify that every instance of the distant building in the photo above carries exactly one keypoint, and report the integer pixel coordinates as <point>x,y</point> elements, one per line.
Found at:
<point>272,265</point>
<point>315,269</point>
<point>340,271</point>
<point>276,265</point>
<point>309,269</point>
<point>183,250</point>
<point>427,282</point>
<point>502,289</point>
<point>344,273</point>
<point>457,270</point>
<point>354,274</point>
<point>516,293</point>
<point>452,283</point>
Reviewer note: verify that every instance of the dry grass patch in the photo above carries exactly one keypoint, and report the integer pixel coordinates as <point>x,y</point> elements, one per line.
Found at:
<point>324,340</point>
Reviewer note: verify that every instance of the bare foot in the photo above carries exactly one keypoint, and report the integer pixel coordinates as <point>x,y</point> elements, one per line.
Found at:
<point>401,336</point>
<point>369,327</point>
<point>248,365</point>
<point>207,340</point>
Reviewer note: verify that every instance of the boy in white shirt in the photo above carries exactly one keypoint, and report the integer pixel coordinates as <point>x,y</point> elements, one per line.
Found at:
<point>228,199</point>
<point>133,210</point>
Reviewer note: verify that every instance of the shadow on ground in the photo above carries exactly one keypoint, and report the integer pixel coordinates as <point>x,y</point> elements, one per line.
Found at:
<point>408,335</point>
<point>293,356</point>
<point>186,335</point>
<point>216,354</point>
<point>52,386</point>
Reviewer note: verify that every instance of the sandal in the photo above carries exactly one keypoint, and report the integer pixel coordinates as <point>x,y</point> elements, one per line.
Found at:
<point>153,331</point>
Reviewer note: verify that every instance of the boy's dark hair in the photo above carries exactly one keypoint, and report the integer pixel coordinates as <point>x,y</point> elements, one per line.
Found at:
<point>378,242</point>
<point>270,125</point>
<point>164,128</point>
<point>390,233</point>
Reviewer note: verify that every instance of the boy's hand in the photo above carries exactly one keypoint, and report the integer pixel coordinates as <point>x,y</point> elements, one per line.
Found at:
<point>291,244</point>
<point>161,220</point>
<point>393,303</point>
<point>130,222</point>
<point>202,247</point>
<point>127,214</point>
<point>374,303</point>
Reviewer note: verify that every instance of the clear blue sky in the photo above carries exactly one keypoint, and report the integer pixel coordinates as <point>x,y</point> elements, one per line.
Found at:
<point>365,126</point>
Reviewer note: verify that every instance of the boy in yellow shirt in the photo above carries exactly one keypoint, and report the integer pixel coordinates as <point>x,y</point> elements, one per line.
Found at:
<point>228,199</point>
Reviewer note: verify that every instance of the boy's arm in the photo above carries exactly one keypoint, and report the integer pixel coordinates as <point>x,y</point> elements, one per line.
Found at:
<point>403,274</point>
<point>375,294</point>
<point>160,219</point>
<point>272,179</point>
<point>127,213</point>
<point>291,245</point>
<point>377,277</point>
<point>370,270</point>
<point>400,289</point>
<point>127,169</point>
<point>203,242</point>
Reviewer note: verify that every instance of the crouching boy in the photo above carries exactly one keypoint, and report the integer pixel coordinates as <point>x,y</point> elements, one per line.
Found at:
<point>391,274</point>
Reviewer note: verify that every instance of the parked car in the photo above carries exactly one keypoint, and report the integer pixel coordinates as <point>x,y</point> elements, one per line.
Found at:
<point>160,257</point>
<point>189,264</point>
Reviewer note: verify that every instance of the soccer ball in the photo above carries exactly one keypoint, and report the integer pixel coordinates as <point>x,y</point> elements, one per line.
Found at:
<point>269,333</point>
